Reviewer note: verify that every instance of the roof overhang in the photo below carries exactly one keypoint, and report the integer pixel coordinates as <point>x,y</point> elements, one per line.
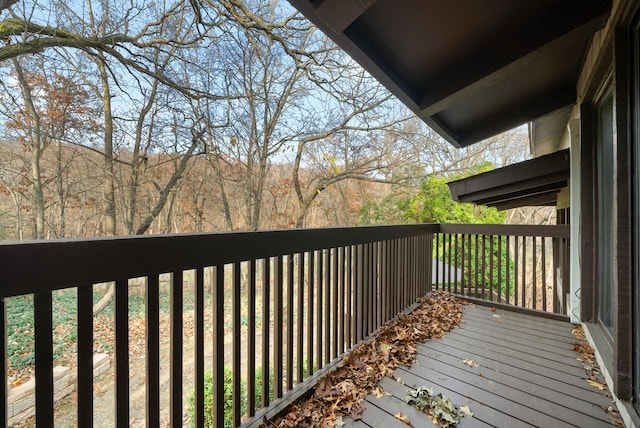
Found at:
<point>535,182</point>
<point>470,69</point>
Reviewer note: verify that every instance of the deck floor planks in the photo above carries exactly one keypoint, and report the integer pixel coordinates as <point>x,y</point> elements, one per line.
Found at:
<point>534,333</point>
<point>517,390</point>
<point>557,381</point>
<point>552,346</point>
<point>532,364</point>
<point>556,326</point>
<point>514,344</point>
<point>378,418</point>
<point>534,383</point>
<point>521,352</point>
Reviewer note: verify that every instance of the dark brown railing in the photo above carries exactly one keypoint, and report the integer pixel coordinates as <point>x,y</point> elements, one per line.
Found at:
<point>306,296</point>
<point>290,301</point>
<point>525,266</point>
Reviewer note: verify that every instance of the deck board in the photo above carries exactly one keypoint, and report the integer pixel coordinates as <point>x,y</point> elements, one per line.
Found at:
<point>528,375</point>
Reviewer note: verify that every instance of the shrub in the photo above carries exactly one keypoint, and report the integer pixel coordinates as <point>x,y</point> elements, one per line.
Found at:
<point>228,397</point>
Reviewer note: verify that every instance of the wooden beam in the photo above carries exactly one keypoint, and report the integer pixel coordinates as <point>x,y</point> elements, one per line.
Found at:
<point>543,199</point>
<point>521,190</point>
<point>465,82</point>
<point>551,168</point>
<point>339,14</point>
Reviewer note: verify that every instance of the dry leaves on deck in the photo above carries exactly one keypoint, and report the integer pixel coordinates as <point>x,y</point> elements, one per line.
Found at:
<point>470,363</point>
<point>340,392</point>
<point>438,407</point>
<point>590,365</point>
<point>587,356</point>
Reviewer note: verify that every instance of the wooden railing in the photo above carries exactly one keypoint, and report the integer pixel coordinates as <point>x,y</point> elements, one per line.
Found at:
<point>306,296</point>
<point>525,266</point>
<point>291,302</point>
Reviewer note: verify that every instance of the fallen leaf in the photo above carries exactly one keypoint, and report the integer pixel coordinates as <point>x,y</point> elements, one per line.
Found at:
<point>338,422</point>
<point>465,411</point>
<point>471,363</point>
<point>340,392</point>
<point>493,309</point>
<point>612,411</point>
<point>598,385</point>
<point>496,316</point>
<point>377,392</point>
<point>403,419</point>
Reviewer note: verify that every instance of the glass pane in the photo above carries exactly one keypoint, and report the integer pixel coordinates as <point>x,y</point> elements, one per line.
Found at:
<point>606,210</point>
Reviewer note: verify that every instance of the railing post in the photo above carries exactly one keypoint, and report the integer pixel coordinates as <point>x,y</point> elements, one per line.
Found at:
<point>534,285</point>
<point>290,319</point>
<point>310,311</point>
<point>484,266</point>
<point>327,307</point>
<point>358,316</point>
<point>335,305</point>
<point>319,327</point>
<point>218,341</point>
<point>300,326</point>
<point>524,271</point>
<point>85,356</point>
<point>349,324</point>
<point>515,271</point>
<point>122,353</point>
<point>175,361</point>
<point>507,270</point>
<point>437,259</point>
<point>3,362</point>
<point>199,350</point>
<point>251,338</point>
<point>544,275</point>
<point>278,300</point>
<point>235,326</point>
<point>429,255</point>
<point>500,268</point>
<point>152,327</point>
<point>341,300</point>
<point>43,315</point>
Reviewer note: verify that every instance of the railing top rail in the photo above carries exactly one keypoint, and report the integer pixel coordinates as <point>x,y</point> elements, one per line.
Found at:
<point>551,231</point>
<point>32,266</point>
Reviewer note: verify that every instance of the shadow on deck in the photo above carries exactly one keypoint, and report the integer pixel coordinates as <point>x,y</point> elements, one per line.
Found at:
<point>527,375</point>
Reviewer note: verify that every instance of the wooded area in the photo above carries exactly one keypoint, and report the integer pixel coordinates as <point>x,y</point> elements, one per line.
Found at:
<point>131,118</point>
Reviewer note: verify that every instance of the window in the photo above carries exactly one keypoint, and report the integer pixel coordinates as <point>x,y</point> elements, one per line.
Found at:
<point>605,209</point>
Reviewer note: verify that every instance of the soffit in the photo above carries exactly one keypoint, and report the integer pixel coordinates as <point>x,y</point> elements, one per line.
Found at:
<point>470,69</point>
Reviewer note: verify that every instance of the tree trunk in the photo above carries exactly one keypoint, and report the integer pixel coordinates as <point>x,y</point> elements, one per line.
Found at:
<point>35,137</point>
<point>108,184</point>
<point>62,224</point>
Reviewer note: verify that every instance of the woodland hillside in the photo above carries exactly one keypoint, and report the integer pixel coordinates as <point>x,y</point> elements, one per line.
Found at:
<point>126,118</point>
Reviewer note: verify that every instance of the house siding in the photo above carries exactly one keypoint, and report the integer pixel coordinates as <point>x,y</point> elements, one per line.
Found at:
<point>607,59</point>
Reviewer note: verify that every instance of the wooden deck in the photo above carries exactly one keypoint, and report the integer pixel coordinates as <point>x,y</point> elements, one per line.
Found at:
<point>528,375</point>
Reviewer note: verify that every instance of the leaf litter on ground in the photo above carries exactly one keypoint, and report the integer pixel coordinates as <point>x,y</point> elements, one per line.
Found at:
<point>340,393</point>
<point>588,360</point>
